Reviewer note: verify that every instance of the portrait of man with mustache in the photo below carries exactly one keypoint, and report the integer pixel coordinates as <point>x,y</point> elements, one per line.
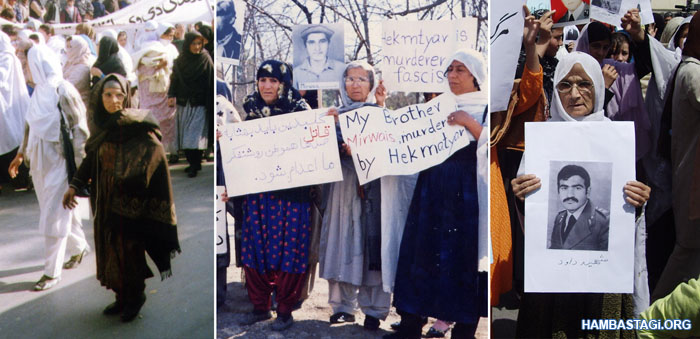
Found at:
<point>580,225</point>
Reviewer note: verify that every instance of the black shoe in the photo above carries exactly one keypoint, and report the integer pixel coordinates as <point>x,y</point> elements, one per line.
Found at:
<point>434,333</point>
<point>342,317</point>
<point>192,174</point>
<point>371,323</point>
<point>282,323</point>
<point>113,308</point>
<point>131,311</point>
<point>254,317</point>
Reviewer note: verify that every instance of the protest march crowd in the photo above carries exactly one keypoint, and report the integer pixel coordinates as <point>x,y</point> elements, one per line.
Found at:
<point>100,113</point>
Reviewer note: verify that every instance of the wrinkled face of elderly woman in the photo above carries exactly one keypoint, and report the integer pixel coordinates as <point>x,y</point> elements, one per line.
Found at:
<point>460,78</point>
<point>268,88</point>
<point>576,92</point>
<point>357,84</point>
<point>113,97</point>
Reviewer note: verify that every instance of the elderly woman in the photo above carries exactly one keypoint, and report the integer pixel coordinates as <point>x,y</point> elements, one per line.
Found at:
<point>130,194</point>
<point>276,225</point>
<point>55,106</point>
<point>192,88</point>
<point>438,269</point>
<point>350,252</point>
<point>579,96</point>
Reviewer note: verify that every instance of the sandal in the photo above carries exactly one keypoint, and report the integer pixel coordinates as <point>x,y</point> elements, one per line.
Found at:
<point>45,283</point>
<point>75,260</point>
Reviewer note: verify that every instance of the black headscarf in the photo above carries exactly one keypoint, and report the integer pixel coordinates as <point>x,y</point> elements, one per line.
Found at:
<point>288,98</point>
<point>108,58</point>
<point>208,34</point>
<point>598,32</point>
<point>109,125</point>
<point>195,73</point>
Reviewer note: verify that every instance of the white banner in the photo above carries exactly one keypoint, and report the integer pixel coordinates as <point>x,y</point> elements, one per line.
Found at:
<point>284,151</point>
<point>404,141</point>
<point>506,29</point>
<point>579,231</point>
<point>170,11</point>
<point>221,247</point>
<point>415,53</point>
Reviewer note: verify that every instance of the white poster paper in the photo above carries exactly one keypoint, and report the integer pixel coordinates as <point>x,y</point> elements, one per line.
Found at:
<point>611,11</point>
<point>506,29</point>
<point>579,231</point>
<point>284,151</point>
<point>229,25</point>
<point>221,247</point>
<point>319,56</point>
<point>171,11</point>
<point>404,141</point>
<point>415,54</point>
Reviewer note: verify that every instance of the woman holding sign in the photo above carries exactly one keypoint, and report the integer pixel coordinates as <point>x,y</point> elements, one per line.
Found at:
<point>276,225</point>
<point>579,96</point>
<point>444,238</point>
<point>350,253</point>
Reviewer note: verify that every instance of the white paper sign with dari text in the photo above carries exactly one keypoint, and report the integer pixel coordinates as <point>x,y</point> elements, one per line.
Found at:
<point>579,230</point>
<point>284,151</point>
<point>404,141</point>
<point>415,54</point>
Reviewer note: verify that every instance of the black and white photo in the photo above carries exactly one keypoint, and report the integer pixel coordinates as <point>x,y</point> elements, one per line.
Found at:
<point>318,56</point>
<point>229,25</point>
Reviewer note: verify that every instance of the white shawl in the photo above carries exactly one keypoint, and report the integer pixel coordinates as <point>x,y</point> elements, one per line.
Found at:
<point>14,98</point>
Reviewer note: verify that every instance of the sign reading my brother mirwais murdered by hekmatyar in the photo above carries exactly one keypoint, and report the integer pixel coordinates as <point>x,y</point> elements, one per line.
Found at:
<point>415,54</point>
<point>404,141</point>
<point>283,151</point>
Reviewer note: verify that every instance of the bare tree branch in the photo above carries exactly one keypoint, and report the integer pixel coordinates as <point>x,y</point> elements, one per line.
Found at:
<point>415,10</point>
<point>251,5</point>
<point>304,10</point>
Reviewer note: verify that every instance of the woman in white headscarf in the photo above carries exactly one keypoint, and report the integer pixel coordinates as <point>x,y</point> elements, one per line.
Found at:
<point>43,148</point>
<point>14,101</point>
<point>444,242</point>
<point>154,65</point>
<point>579,96</point>
<point>77,67</point>
<point>350,250</point>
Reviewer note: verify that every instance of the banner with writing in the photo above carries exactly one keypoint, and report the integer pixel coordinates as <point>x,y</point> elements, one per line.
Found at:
<point>284,151</point>
<point>404,141</point>
<point>171,11</point>
<point>415,54</point>
<point>506,33</point>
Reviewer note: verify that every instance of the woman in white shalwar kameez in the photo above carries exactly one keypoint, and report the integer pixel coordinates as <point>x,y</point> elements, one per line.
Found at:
<point>14,101</point>
<point>62,228</point>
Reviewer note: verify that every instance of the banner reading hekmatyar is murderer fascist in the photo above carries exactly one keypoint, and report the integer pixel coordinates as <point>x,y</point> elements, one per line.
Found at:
<point>404,141</point>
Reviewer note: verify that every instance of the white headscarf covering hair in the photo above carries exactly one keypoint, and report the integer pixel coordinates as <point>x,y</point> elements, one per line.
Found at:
<point>162,27</point>
<point>474,62</point>
<point>670,30</point>
<point>43,115</point>
<point>671,43</point>
<point>14,98</point>
<point>349,104</point>
<point>78,53</point>
<point>107,32</point>
<point>592,68</point>
<point>24,34</point>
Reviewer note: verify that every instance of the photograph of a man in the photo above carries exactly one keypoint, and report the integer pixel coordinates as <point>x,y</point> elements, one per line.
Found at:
<point>228,39</point>
<point>316,61</point>
<point>575,10</point>
<point>580,225</point>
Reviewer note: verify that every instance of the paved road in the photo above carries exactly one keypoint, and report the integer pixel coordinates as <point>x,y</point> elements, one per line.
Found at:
<point>178,307</point>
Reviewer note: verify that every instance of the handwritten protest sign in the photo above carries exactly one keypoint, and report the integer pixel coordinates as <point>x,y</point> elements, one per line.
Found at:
<point>404,141</point>
<point>221,246</point>
<point>284,151</point>
<point>579,230</point>
<point>172,11</point>
<point>506,32</point>
<point>415,53</point>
